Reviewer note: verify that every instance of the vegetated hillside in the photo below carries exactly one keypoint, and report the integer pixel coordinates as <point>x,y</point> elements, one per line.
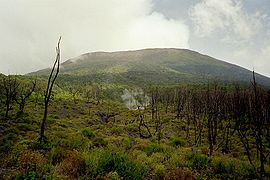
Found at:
<point>153,66</point>
<point>156,132</point>
<point>175,133</point>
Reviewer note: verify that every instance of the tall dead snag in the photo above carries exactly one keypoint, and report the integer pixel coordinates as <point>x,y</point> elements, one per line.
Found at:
<point>210,123</point>
<point>47,96</point>
<point>260,123</point>
<point>180,100</point>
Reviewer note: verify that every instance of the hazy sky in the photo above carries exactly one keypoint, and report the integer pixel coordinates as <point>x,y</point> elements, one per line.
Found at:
<point>237,31</point>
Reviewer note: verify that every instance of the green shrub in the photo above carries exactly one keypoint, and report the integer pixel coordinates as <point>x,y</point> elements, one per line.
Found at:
<point>21,116</point>
<point>100,142</point>
<point>31,175</point>
<point>74,141</point>
<point>129,143</point>
<point>178,142</point>
<point>117,130</point>
<point>6,143</point>
<point>180,173</point>
<point>153,148</point>
<point>25,127</point>
<point>57,154</point>
<point>113,176</point>
<point>103,161</point>
<point>37,145</point>
<point>222,168</point>
<point>198,161</point>
<point>247,171</point>
<point>72,166</point>
<point>159,170</point>
<point>31,160</point>
<point>132,128</point>
<point>87,132</point>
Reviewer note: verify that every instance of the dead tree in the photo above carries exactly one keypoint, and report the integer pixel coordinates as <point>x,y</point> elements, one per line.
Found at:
<point>252,126</point>
<point>142,124</point>
<point>180,99</point>
<point>48,92</point>
<point>267,117</point>
<point>241,109</point>
<point>105,116</point>
<point>23,94</point>
<point>166,99</point>
<point>195,106</point>
<point>259,122</point>
<point>9,87</point>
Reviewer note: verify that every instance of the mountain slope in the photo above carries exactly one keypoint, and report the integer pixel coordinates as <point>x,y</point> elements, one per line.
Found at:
<point>158,66</point>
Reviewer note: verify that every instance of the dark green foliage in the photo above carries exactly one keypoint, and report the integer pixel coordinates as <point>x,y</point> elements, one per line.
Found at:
<point>99,142</point>
<point>6,143</point>
<point>57,154</point>
<point>25,127</point>
<point>75,141</point>
<point>37,145</point>
<point>198,161</point>
<point>178,142</point>
<point>89,133</point>
<point>153,148</point>
<point>225,170</point>
<point>103,161</point>
<point>247,171</point>
<point>31,175</point>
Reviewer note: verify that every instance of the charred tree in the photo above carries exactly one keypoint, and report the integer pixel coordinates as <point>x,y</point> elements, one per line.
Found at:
<point>23,94</point>
<point>48,92</point>
<point>258,119</point>
<point>9,87</point>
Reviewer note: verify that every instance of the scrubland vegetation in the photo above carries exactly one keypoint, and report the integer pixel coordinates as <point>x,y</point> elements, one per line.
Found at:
<point>178,132</point>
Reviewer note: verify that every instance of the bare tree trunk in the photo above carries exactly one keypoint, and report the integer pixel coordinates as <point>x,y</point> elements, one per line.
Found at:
<point>51,81</point>
<point>259,127</point>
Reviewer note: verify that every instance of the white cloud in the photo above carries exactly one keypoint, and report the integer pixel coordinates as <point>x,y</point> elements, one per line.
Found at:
<point>225,17</point>
<point>29,30</point>
<point>262,60</point>
<point>258,59</point>
<point>157,31</point>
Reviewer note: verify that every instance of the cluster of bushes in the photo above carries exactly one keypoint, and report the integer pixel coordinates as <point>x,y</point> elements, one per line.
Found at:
<point>107,151</point>
<point>101,160</point>
<point>59,163</point>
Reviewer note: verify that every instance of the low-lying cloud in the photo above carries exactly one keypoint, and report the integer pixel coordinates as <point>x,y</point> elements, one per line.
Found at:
<point>30,29</point>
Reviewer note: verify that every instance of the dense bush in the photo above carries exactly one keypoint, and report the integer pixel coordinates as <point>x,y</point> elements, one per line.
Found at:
<point>247,171</point>
<point>222,168</point>
<point>179,174</point>
<point>153,148</point>
<point>72,165</point>
<point>32,163</point>
<point>100,142</point>
<point>103,161</point>
<point>178,142</point>
<point>198,161</point>
<point>159,170</point>
<point>57,155</point>
<point>87,132</point>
